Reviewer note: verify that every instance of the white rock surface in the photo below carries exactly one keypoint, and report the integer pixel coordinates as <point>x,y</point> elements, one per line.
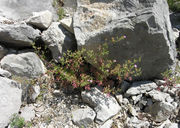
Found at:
<point>24,64</point>
<point>10,100</point>
<point>41,19</point>
<point>160,96</point>
<point>107,124</point>
<point>83,117</point>
<point>4,73</point>
<point>105,106</point>
<point>140,88</point>
<point>134,122</point>
<point>27,112</point>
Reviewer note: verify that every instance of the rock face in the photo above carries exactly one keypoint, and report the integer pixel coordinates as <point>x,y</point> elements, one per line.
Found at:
<point>41,20</point>
<point>105,106</point>
<point>18,34</point>
<point>21,9</point>
<point>23,64</point>
<point>83,117</point>
<point>58,40</point>
<point>10,100</point>
<point>145,24</point>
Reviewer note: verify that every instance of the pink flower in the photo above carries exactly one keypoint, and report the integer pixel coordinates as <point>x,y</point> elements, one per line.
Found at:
<point>124,37</point>
<point>74,85</point>
<point>135,66</point>
<point>114,61</point>
<point>87,87</point>
<point>90,81</point>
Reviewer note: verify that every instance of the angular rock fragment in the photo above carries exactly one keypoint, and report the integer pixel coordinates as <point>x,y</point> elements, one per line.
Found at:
<point>24,64</point>
<point>83,117</point>
<point>41,19</point>
<point>105,106</point>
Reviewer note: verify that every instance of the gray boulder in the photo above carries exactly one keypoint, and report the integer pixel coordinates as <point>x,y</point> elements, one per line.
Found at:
<point>160,111</point>
<point>41,20</point>
<point>58,40</point>
<point>18,34</point>
<point>10,100</point>
<point>144,23</point>
<point>22,9</point>
<point>105,106</point>
<point>140,88</point>
<point>83,117</point>
<point>24,64</point>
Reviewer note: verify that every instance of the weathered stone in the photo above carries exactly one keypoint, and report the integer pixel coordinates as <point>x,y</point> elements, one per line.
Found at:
<point>23,64</point>
<point>3,51</point>
<point>68,24</point>
<point>160,111</point>
<point>140,88</point>
<point>41,20</point>
<point>83,117</point>
<point>18,34</point>
<point>27,112</point>
<point>10,100</point>
<point>168,124</point>
<point>22,9</point>
<point>107,124</point>
<point>134,122</point>
<point>160,82</point>
<point>58,40</point>
<point>105,106</point>
<point>160,96</point>
<point>4,73</point>
<point>144,23</point>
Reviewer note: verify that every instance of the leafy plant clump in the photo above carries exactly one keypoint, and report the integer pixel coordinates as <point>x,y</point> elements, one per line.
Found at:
<point>17,121</point>
<point>174,5</point>
<point>74,69</point>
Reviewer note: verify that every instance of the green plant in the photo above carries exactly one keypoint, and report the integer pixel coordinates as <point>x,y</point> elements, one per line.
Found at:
<point>58,5</point>
<point>74,69</point>
<point>174,5</point>
<point>171,78</point>
<point>17,121</point>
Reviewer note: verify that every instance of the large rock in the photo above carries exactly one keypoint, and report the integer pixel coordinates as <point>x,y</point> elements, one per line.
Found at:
<point>24,64</point>
<point>58,39</point>
<point>105,106</point>
<point>41,20</point>
<point>17,34</point>
<point>146,25</point>
<point>83,117</point>
<point>10,100</point>
<point>22,9</point>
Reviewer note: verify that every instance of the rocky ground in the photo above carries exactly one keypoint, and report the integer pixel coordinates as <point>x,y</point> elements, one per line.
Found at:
<point>28,90</point>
